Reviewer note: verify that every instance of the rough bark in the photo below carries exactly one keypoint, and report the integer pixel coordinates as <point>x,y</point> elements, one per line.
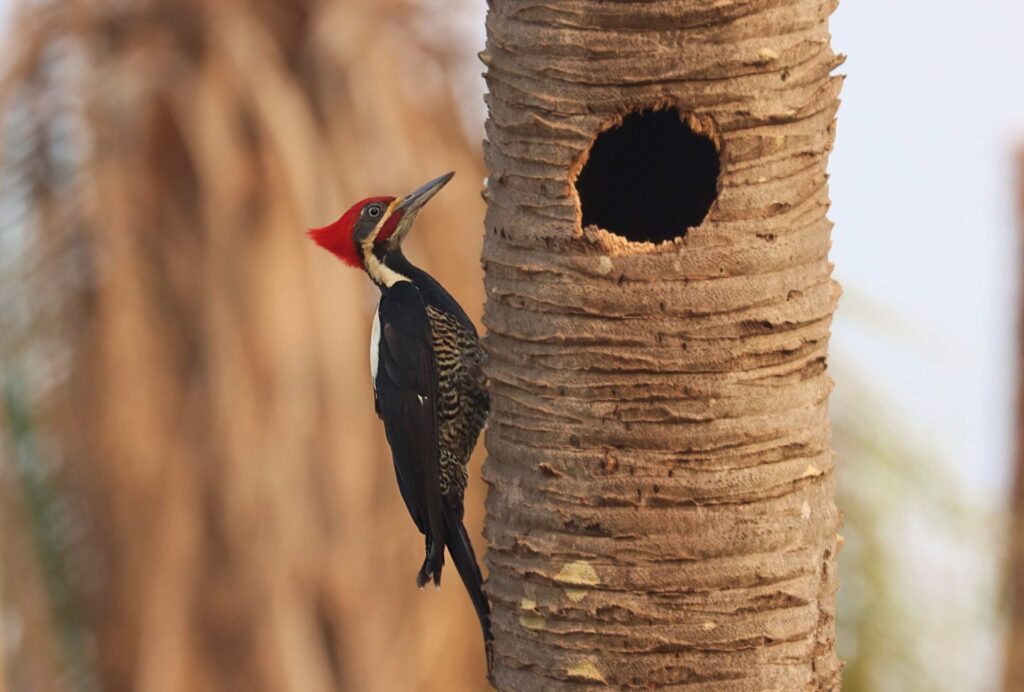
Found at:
<point>660,509</point>
<point>1013,674</point>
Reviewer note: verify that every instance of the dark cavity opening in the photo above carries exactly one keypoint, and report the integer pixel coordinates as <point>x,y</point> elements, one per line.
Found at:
<point>650,178</point>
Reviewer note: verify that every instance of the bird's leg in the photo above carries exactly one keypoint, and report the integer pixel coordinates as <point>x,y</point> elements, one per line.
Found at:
<point>436,557</point>
<point>424,574</point>
<point>432,563</point>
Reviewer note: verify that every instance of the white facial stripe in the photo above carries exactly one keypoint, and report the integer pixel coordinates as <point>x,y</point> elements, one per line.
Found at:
<point>380,272</point>
<point>368,241</point>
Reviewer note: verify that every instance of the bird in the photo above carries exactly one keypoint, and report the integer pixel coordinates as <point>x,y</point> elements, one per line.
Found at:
<point>430,390</point>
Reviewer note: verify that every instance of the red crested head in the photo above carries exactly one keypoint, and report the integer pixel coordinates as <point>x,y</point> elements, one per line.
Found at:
<point>339,238</point>
<point>370,232</point>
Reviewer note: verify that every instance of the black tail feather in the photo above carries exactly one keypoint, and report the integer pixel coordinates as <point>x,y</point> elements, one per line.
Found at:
<point>461,550</point>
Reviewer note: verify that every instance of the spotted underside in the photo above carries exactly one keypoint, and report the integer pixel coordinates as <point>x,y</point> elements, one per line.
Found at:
<point>463,401</point>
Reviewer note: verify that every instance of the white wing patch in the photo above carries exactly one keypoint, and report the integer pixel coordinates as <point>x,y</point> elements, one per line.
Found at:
<point>423,399</point>
<point>375,347</point>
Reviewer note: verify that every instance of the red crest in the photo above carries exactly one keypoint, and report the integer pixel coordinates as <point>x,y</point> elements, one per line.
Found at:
<point>337,238</point>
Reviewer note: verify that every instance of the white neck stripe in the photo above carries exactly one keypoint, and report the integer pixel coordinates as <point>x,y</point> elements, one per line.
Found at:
<point>382,273</point>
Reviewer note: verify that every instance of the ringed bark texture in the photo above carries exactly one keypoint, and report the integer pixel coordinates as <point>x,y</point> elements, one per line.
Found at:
<point>661,508</point>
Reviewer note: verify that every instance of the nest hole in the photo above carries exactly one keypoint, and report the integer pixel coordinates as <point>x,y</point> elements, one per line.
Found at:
<point>650,178</point>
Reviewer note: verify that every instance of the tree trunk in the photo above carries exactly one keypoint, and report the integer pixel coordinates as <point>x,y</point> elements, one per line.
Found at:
<point>661,504</point>
<point>1014,667</point>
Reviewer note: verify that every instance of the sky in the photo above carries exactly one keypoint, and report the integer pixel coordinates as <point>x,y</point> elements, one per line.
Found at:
<point>925,242</point>
<point>926,247</point>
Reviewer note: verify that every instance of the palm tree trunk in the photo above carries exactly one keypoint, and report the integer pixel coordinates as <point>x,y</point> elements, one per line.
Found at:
<point>661,504</point>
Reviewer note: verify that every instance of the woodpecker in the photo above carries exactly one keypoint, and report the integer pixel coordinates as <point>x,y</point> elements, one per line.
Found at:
<point>429,387</point>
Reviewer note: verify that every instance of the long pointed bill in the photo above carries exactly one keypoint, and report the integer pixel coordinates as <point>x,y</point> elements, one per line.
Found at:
<point>412,203</point>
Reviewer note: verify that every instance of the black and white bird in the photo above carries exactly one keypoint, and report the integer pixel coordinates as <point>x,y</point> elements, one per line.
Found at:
<point>429,387</point>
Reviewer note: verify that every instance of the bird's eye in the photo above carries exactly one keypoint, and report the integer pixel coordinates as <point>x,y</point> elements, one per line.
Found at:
<point>373,211</point>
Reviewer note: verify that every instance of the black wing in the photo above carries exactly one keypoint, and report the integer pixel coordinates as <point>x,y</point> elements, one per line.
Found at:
<point>407,402</point>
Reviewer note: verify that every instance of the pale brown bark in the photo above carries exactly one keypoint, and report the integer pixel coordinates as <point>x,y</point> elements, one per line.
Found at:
<point>661,505</point>
<point>1013,673</point>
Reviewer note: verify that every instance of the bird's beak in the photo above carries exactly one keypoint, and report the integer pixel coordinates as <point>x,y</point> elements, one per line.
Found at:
<point>411,204</point>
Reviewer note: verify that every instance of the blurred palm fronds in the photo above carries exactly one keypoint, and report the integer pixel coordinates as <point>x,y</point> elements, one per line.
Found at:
<point>194,372</point>
<point>917,557</point>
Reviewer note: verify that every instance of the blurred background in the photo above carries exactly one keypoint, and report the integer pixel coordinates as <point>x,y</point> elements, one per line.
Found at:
<point>195,493</point>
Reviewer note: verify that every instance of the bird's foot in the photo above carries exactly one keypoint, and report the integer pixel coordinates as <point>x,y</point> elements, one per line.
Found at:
<point>431,570</point>
<point>432,564</point>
